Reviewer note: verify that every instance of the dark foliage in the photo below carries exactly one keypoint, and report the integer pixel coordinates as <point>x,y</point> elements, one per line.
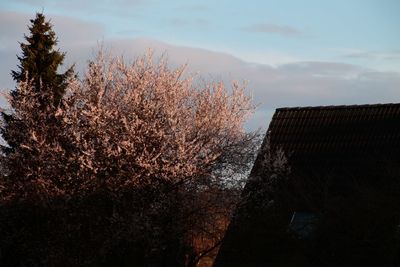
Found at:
<point>99,230</point>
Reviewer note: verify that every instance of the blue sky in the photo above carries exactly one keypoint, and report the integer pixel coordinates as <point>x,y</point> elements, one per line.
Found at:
<point>291,53</point>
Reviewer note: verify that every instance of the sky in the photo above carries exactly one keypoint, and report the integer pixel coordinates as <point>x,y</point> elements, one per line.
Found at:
<point>288,53</point>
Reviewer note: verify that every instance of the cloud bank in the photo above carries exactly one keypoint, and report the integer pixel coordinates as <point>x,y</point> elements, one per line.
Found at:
<point>305,83</point>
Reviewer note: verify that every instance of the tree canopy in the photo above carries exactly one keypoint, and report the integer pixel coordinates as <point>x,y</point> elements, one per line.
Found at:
<point>138,162</point>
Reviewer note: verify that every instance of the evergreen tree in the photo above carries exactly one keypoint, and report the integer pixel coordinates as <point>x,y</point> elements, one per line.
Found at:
<point>38,63</point>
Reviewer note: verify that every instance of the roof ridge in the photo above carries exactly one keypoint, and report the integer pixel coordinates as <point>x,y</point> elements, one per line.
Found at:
<point>356,106</point>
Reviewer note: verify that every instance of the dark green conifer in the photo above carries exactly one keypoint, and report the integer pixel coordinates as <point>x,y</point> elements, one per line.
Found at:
<point>39,63</point>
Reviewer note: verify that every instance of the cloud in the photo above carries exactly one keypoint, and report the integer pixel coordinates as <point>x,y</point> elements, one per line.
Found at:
<point>274,29</point>
<point>73,32</point>
<point>106,7</point>
<point>73,35</point>
<point>13,26</point>
<point>32,2</point>
<point>126,8</point>
<point>302,83</point>
<point>306,83</point>
<point>393,54</point>
<point>68,30</point>
<point>130,32</point>
<point>77,3</point>
<point>294,84</point>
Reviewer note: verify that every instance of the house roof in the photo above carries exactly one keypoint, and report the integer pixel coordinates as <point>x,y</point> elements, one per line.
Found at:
<point>356,128</point>
<point>341,141</point>
<point>329,136</point>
